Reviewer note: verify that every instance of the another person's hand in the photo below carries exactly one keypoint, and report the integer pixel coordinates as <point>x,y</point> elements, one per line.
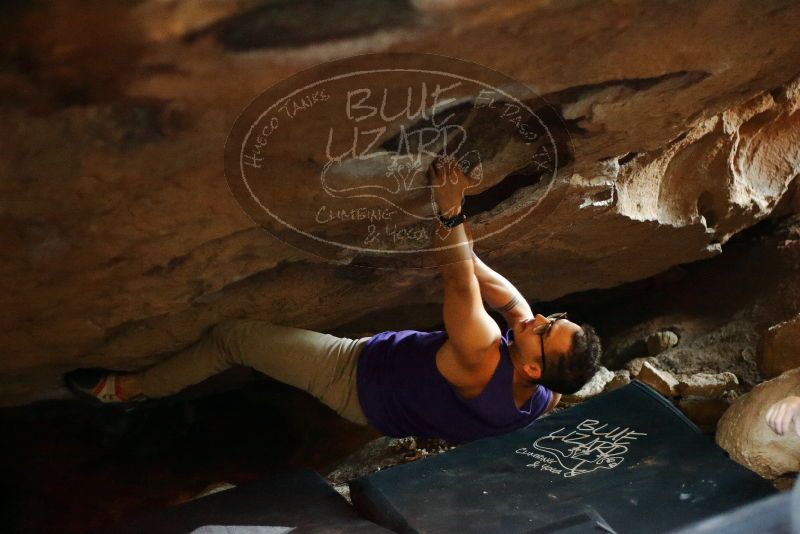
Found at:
<point>783,413</point>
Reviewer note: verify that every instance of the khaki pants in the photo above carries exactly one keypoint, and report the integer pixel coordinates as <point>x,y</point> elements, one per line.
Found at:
<point>321,364</point>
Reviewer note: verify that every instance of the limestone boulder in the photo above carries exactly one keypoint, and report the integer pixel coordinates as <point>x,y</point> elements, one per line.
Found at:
<point>621,378</point>
<point>780,348</point>
<point>635,366</point>
<point>662,381</point>
<point>707,385</point>
<point>743,432</point>
<point>658,342</point>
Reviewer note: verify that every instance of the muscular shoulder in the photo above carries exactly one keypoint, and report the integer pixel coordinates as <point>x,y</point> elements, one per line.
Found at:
<point>468,374</point>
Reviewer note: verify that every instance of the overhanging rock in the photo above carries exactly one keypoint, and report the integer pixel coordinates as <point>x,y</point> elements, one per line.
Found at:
<point>123,242</point>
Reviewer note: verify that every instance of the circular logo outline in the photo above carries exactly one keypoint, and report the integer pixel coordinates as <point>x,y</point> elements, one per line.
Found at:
<point>242,176</point>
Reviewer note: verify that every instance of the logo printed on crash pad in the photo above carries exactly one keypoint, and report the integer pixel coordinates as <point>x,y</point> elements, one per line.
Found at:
<point>590,446</point>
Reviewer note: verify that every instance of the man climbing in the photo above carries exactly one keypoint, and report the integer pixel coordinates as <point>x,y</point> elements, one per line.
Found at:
<point>460,384</point>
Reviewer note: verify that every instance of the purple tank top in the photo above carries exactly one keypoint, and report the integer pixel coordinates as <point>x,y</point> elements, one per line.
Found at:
<point>402,392</point>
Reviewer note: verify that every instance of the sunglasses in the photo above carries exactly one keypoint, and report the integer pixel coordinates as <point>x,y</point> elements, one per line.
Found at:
<point>543,329</point>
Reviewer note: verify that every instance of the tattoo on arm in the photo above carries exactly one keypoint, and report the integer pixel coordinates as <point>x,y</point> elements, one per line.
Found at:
<point>510,306</point>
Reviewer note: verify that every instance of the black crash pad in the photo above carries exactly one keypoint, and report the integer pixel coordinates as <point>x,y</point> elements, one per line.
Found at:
<point>629,455</point>
<point>301,501</point>
<point>770,515</point>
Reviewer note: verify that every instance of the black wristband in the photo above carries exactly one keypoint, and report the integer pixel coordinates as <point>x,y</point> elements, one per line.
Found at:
<point>452,222</point>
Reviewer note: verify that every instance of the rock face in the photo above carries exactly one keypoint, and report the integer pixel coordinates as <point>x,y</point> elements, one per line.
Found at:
<point>744,433</point>
<point>707,385</point>
<point>780,348</point>
<point>719,308</point>
<point>662,381</point>
<point>621,378</point>
<point>705,413</point>
<point>122,242</point>
<point>661,341</point>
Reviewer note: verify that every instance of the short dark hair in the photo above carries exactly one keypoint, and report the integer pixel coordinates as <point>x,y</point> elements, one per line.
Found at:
<point>576,367</point>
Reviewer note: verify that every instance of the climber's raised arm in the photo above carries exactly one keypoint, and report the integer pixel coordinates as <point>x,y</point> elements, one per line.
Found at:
<point>500,294</point>
<point>471,331</point>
